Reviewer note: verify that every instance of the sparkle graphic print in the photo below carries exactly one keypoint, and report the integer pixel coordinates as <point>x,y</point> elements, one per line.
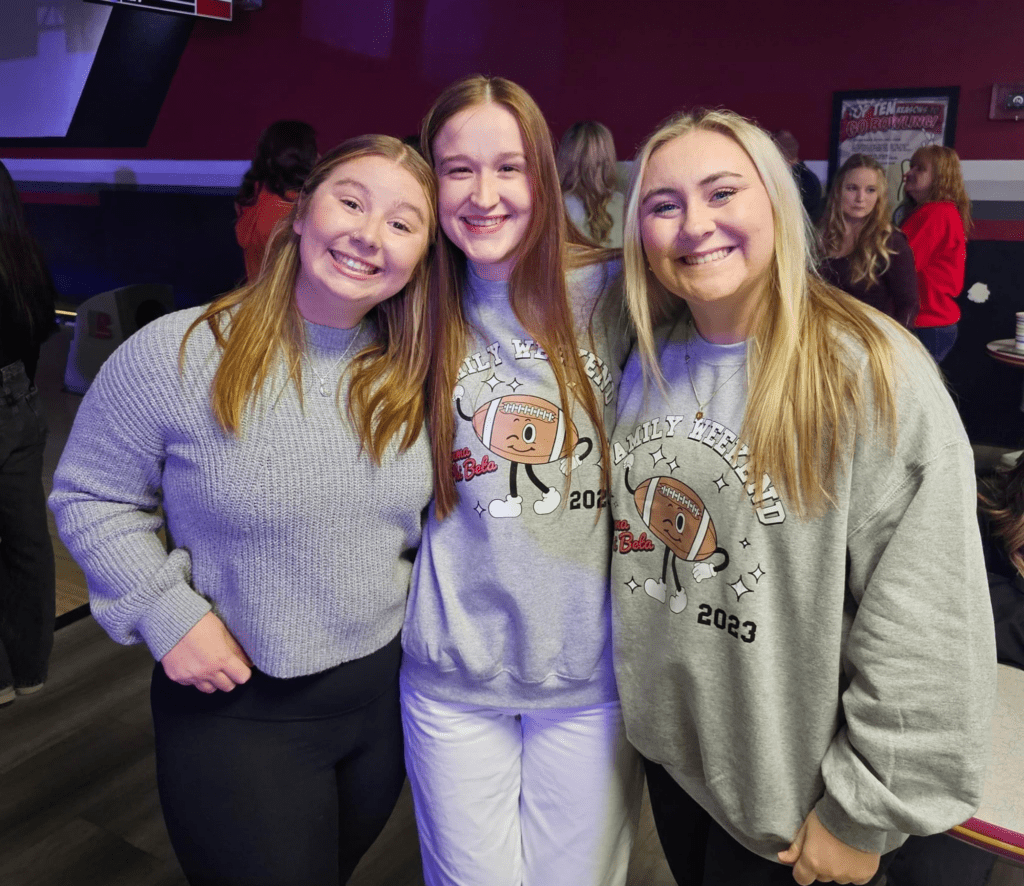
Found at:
<point>521,429</point>
<point>669,509</point>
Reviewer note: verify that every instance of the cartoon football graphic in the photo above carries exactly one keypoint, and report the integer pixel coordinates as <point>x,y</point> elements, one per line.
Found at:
<point>677,516</point>
<point>525,429</point>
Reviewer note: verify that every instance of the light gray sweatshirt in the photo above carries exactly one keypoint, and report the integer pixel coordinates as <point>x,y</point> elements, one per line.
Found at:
<point>509,603</point>
<point>297,540</point>
<point>775,665</point>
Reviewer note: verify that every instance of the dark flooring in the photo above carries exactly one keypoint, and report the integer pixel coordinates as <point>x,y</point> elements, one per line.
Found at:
<point>78,801</point>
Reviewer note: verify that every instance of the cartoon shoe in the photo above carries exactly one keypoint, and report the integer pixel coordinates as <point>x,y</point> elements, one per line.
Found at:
<point>548,503</point>
<point>677,602</point>
<point>510,506</point>
<point>656,589</point>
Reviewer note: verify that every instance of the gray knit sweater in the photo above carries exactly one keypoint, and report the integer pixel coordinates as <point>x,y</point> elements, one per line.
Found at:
<point>293,537</point>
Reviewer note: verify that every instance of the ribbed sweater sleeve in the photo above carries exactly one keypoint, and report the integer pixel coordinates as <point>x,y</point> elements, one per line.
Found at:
<point>107,494</point>
<point>288,531</point>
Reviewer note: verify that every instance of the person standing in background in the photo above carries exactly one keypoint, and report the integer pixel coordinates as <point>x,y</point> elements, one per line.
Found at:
<point>589,178</point>
<point>865,254</point>
<point>27,590</point>
<point>285,153</point>
<point>806,181</point>
<point>936,217</point>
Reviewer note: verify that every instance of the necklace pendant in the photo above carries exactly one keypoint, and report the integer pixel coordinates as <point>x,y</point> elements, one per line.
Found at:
<point>323,390</point>
<point>700,413</point>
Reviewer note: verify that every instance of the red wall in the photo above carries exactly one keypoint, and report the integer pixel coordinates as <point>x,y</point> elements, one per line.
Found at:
<point>626,63</point>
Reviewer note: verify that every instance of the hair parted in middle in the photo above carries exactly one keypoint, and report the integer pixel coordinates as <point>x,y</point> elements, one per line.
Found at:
<point>537,286</point>
<point>947,183</point>
<point>587,168</point>
<point>871,255</point>
<point>805,391</point>
<point>258,326</point>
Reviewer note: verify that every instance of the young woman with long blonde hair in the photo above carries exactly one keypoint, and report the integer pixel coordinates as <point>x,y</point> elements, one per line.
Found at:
<point>803,645</point>
<point>936,217</point>
<point>281,428</point>
<point>866,255</point>
<point>516,754</point>
<point>588,177</point>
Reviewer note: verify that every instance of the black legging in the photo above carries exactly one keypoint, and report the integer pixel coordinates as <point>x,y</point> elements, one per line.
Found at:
<point>700,852</point>
<point>280,782</point>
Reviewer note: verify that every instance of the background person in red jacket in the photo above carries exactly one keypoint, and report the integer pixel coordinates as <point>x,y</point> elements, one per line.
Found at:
<point>285,153</point>
<point>936,214</point>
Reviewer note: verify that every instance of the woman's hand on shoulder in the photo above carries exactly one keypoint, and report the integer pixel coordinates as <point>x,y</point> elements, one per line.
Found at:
<point>815,854</point>
<point>208,657</point>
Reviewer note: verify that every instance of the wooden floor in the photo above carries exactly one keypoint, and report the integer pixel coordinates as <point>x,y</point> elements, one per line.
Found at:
<point>78,801</point>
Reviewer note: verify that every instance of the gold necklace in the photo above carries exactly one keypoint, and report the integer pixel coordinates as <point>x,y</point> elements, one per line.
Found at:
<point>693,387</point>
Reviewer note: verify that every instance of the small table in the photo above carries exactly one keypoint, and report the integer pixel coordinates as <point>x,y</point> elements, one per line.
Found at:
<point>998,825</point>
<point>1004,351</point>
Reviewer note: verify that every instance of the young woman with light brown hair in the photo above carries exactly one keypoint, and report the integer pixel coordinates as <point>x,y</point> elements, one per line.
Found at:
<point>865,254</point>
<point>519,766</point>
<point>281,429</point>
<point>810,604</point>
<point>936,217</point>
<point>587,173</point>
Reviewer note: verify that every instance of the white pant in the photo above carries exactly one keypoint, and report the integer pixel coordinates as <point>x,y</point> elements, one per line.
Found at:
<point>544,797</point>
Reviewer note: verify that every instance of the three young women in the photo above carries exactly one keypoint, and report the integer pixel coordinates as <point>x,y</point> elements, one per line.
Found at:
<point>281,428</point>
<point>865,254</point>
<point>936,217</point>
<point>517,757</point>
<point>803,635</point>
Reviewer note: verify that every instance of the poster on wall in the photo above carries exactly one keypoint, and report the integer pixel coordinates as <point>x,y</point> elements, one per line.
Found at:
<point>890,124</point>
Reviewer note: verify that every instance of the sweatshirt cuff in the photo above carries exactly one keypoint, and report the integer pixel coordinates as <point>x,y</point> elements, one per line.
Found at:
<point>852,833</point>
<point>176,613</point>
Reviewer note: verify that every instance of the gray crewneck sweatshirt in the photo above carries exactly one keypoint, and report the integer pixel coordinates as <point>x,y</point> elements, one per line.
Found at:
<point>509,604</point>
<point>288,532</point>
<point>774,665</point>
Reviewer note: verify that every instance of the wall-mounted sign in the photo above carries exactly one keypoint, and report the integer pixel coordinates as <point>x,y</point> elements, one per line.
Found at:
<point>890,124</point>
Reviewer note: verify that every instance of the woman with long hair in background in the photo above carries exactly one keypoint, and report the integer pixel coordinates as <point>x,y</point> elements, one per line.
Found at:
<point>27,591</point>
<point>936,217</point>
<point>518,762</point>
<point>285,154</point>
<point>588,177</point>
<point>866,255</point>
<point>281,429</point>
<point>804,649</point>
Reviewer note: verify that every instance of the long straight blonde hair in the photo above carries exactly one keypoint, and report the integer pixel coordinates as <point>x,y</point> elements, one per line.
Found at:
<point>537,288</point>
<point>805,392</point>
<point>258,326</point>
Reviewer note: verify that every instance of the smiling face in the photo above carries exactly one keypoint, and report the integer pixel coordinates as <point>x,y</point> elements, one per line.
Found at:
<point>707,230</point>
<point>918,179</point>
<point>484,189</point>
<point>859,194</point>
<point>363,232</point>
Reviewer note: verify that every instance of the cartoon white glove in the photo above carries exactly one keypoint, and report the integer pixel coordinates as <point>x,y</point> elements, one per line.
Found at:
<point>563,465</point>
<point>458,393</point>
<point>703,570</point>
<point>628,460</point>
